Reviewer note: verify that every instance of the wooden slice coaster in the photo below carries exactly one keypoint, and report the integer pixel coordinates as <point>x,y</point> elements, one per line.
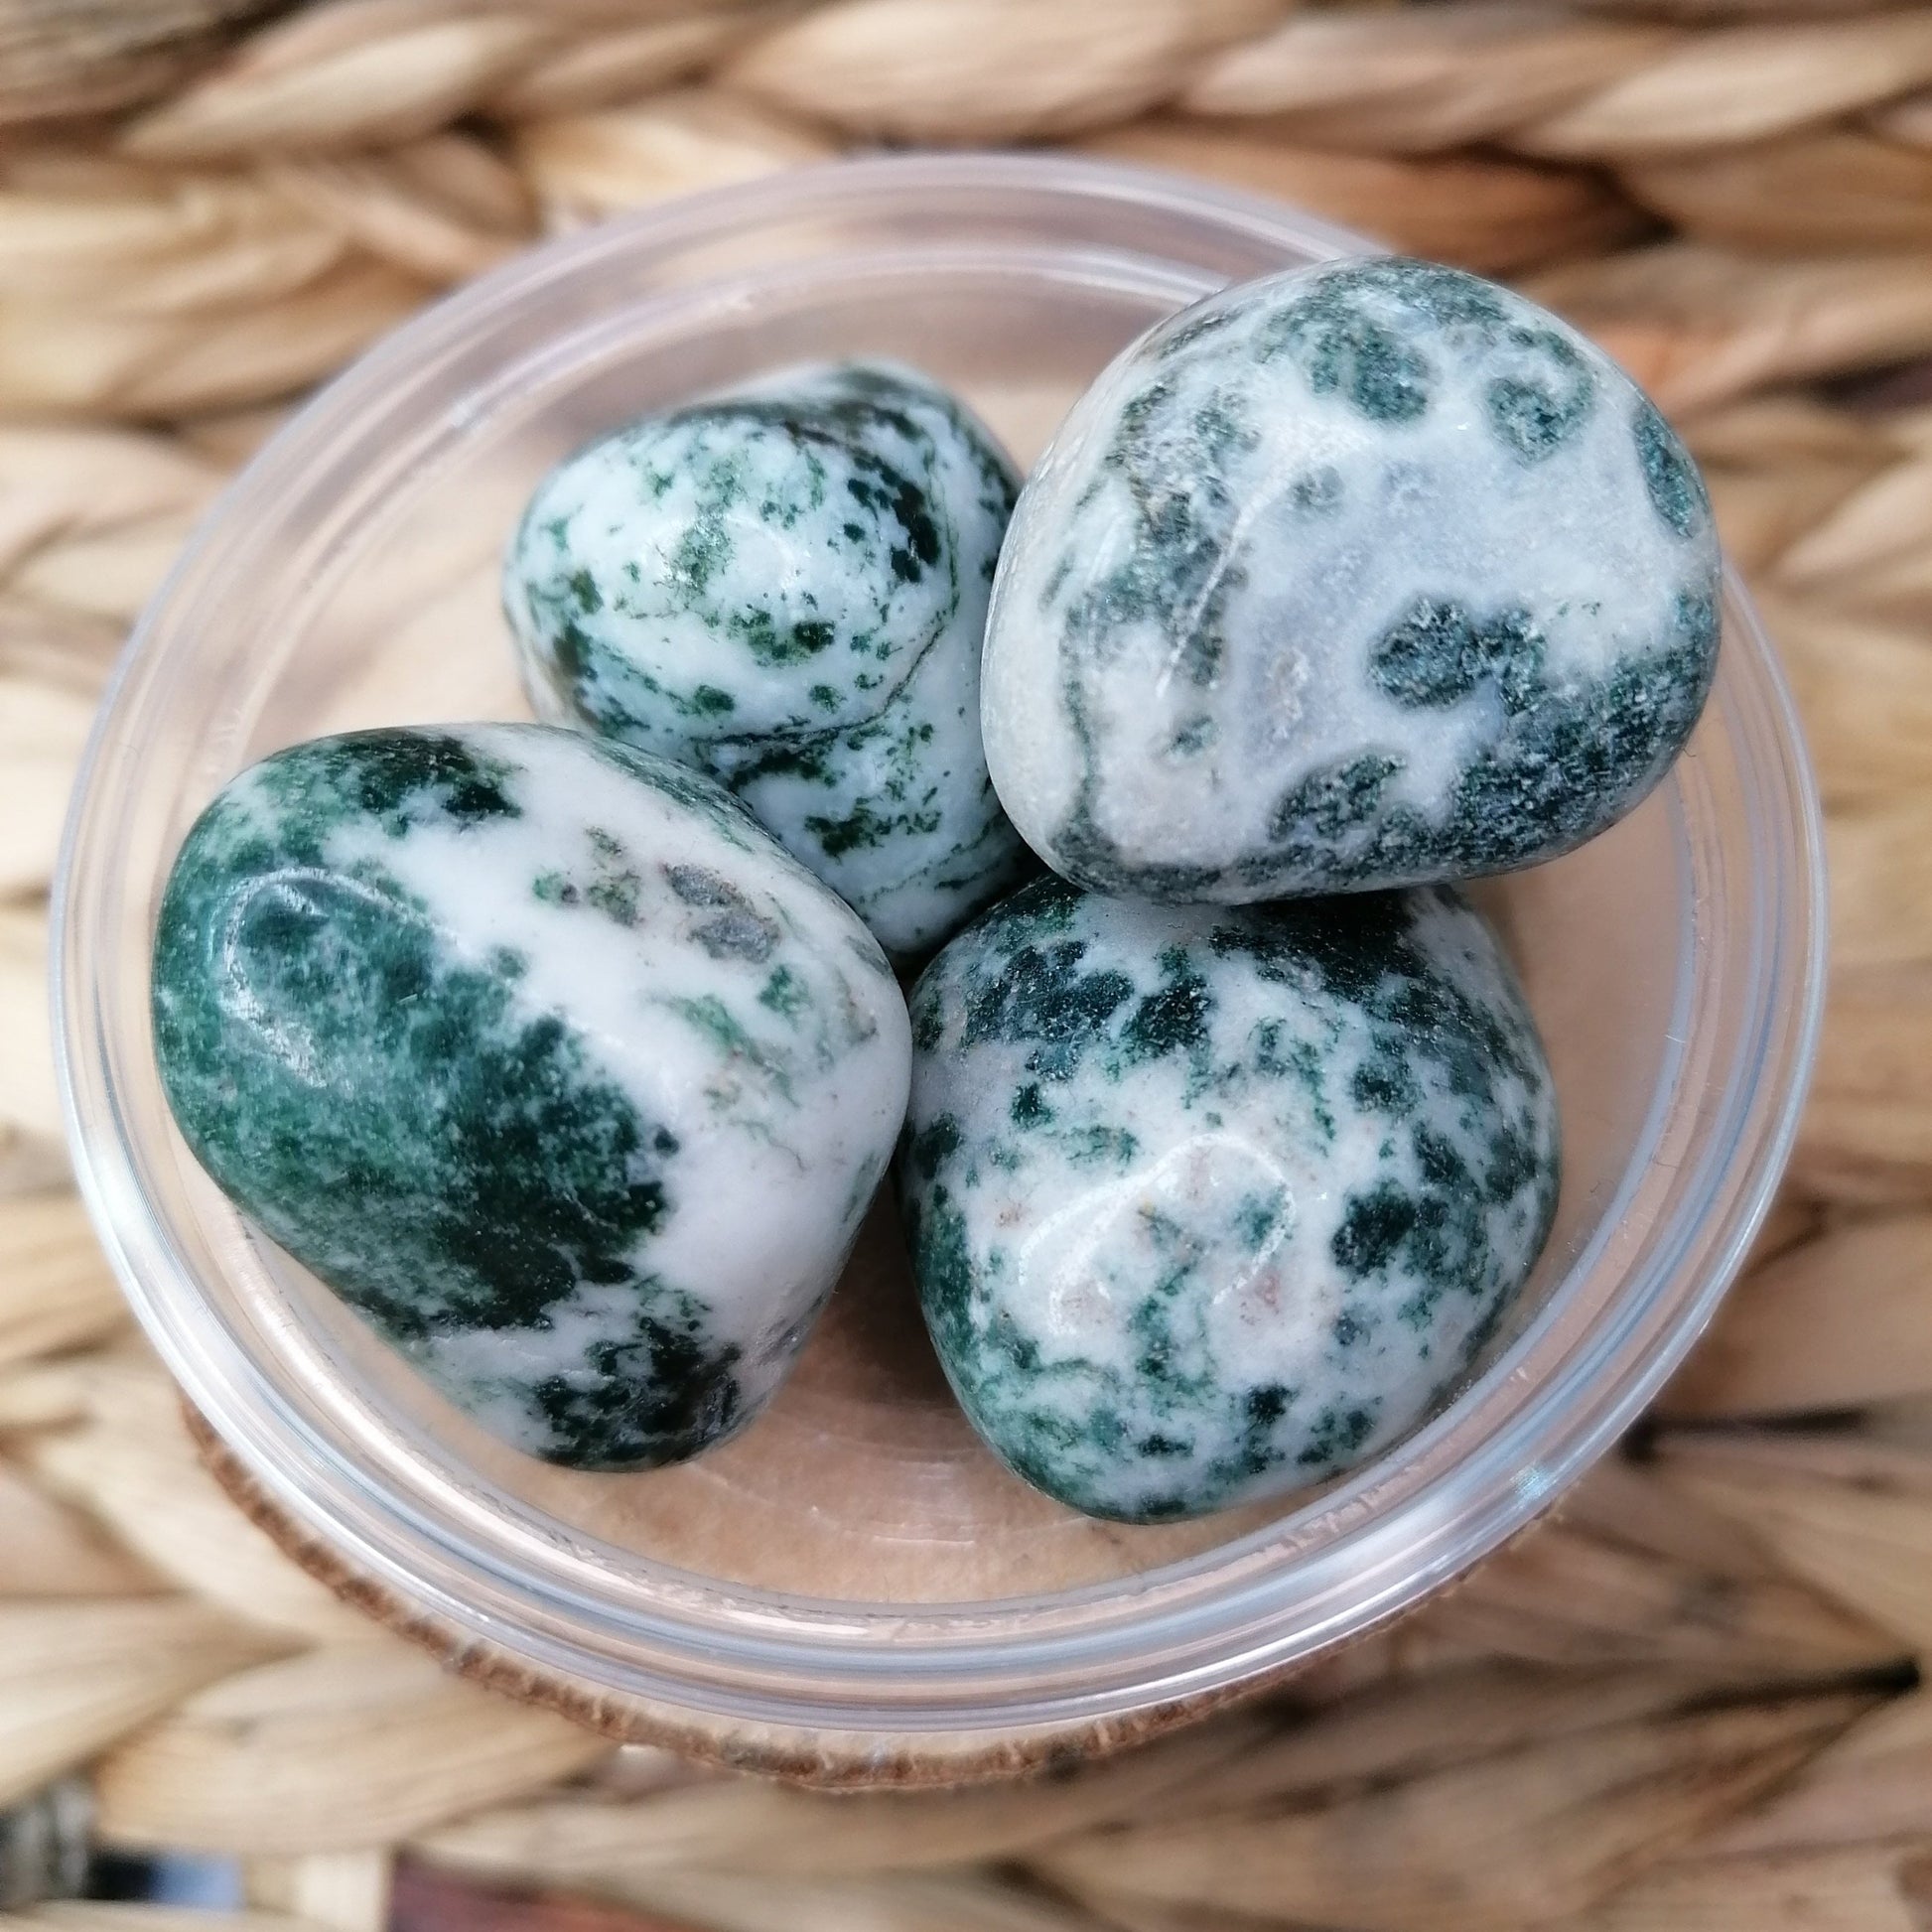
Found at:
<point>862,1483</point>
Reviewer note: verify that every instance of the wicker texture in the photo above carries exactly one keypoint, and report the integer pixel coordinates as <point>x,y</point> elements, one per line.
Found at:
<point>1686,1704</point>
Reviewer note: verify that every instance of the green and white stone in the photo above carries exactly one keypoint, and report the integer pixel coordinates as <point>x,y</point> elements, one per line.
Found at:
<point>544,1057</point>
<point>1208,1204</point>
<point>1359,576</point>
<point>786,588</point>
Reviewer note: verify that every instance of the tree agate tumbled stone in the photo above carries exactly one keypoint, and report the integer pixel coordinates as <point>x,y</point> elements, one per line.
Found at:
<point>1364,575</point>
<point>544,1057</point>
<point>1206,1204</point>
<point>786,588</point>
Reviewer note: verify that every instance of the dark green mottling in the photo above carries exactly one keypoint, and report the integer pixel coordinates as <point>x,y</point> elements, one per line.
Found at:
<point>1571,753</point>
<point>653,1398</point>
<point>1539,787</point>
<point>1174,1018</point>
<point>1346,340</point>
<point>1031,975</point>
<point>1043,998</point>
<point>392,1116</point>
<point>1335,800</point>
<point>1545,399</point>
<point>881,451</point>
<point>1342,348</point>
<point>1438,653</point>
<point>1172,460</point>
<point>1676,490</point>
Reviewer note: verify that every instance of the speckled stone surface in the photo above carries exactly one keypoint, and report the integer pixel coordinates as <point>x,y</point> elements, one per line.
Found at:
<point>545,1057</point>
<point>787,587</point>
<point>1207,1205</point>
<point>1362,575</point>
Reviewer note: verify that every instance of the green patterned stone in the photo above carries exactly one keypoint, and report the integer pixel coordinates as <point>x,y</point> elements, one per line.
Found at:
<point>786,588</point>
<point>1207,1205</point>
<point>545,1058</point>
<point>1364,575</point>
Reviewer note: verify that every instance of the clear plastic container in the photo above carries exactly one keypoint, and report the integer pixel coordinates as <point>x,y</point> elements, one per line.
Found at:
<point>854,1589</point>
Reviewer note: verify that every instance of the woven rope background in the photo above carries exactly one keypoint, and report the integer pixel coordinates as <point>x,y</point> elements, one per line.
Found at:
<point>1687,1708</point>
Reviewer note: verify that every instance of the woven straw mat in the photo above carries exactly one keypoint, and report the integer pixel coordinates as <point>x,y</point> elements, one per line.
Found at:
<point>1689,1706</point>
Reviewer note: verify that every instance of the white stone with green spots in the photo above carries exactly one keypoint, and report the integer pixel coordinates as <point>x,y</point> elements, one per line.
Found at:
<point>787,586</point>
<point>1208,1204</point>
<point>545,1057</point>
<point>1358,575</point>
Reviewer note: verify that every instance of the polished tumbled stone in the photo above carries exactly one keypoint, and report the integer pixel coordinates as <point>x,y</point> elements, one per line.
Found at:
<point>545,1057</point>
<point>1209,1204</point>
<point>787,587</point>
<point>1363,575</point>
